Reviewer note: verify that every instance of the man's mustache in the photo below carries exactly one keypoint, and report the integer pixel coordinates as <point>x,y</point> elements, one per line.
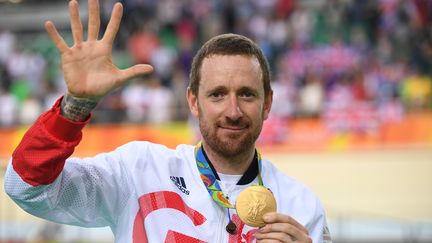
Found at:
<point>241,122</point>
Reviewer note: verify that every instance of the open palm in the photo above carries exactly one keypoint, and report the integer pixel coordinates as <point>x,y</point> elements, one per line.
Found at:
<point>87,65</point>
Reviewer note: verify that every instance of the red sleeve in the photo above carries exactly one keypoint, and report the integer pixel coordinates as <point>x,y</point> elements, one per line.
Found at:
<point>41,154</point>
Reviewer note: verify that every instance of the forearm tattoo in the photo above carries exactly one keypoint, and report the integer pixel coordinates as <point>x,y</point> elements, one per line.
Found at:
<point>76,109</point>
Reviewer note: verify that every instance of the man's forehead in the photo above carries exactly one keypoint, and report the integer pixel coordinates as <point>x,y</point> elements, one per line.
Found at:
<point>230,68</point>
<point>223,79</point>
<point>226,65</point>
<point>222,57</point>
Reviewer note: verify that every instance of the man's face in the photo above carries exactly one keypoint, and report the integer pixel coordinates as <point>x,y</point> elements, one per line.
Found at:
<point>230,105</point>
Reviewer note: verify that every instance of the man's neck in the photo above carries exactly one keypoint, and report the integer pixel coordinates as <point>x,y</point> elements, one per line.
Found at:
<point>234,165</point>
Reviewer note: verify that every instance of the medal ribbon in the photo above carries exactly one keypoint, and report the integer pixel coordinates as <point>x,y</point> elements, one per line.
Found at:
<point>209,179</point>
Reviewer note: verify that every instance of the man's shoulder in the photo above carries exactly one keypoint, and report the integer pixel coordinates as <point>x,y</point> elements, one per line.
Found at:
<point>149,146</point>
<point>156,151</point>
<point>303,202</point>
<point>270,170</point>
<point>286,182</point>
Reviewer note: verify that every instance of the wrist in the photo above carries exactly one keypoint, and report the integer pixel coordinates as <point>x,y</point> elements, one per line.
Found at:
<point>75,108</point>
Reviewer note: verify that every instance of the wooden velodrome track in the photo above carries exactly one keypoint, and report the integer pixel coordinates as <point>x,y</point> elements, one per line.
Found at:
<point>393,184</point>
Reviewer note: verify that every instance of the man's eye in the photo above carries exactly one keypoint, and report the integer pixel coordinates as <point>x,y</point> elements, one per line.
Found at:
<point>216,95</point>
<point>248,94</point>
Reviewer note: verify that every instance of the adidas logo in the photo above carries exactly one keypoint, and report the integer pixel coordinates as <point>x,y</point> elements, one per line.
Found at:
<point>180,183</point>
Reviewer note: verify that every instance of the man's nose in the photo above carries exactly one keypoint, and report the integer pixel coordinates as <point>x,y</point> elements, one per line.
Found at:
<point>234,111</point>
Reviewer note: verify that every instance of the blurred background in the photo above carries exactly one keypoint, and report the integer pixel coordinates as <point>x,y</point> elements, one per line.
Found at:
<point>352,112</point>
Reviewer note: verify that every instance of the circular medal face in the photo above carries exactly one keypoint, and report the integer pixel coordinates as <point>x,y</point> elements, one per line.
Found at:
<point>252,203</point>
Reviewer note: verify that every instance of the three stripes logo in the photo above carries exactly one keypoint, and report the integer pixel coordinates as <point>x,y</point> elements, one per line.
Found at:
<point>180,183</point>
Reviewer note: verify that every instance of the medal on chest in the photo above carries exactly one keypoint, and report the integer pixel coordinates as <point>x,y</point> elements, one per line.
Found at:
<point>251,204</point>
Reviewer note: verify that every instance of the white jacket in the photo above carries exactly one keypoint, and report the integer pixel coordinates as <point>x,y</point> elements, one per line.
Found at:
<point>147,192</point>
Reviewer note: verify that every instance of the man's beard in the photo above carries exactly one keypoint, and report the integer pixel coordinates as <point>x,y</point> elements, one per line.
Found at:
<point>230,145</point>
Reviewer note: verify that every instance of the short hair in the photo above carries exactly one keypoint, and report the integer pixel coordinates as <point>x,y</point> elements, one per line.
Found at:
<point>228,44</point>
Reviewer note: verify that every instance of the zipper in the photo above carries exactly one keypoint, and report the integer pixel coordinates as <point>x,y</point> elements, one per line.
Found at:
<point>221,227</point>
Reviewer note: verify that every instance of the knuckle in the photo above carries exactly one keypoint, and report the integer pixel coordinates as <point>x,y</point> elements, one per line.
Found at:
<point>286,238</point>
<point>287,228</point>
<point>268,227</point>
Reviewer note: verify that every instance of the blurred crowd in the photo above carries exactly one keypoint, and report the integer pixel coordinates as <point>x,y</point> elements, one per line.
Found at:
<point>355,64</point>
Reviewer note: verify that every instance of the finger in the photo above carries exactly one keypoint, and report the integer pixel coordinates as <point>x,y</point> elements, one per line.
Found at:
<point>94,19</point>
<point>56,37</point>
<point>114,23</point>
<point>283,218</point>
<point>259,239</point>
<point>134,71</point>
<point>274,237</point>
<point>268,241</point>
<point>286,229</point>
<point>76,25</point>
<point>281,237</point>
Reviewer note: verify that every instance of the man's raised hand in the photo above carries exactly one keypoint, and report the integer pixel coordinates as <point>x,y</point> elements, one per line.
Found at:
<point>87,65</point>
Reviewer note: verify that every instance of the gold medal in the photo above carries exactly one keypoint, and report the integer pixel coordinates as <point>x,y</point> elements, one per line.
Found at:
<point>252,203</point>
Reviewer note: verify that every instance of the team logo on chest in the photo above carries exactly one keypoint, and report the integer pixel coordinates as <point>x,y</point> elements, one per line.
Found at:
<point>180,183</point>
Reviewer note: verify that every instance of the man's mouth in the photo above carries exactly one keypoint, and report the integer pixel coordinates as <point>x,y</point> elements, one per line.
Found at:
<point>233,128</point>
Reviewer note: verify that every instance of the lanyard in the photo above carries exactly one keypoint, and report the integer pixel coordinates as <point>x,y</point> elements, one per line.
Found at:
<point>209,179</point>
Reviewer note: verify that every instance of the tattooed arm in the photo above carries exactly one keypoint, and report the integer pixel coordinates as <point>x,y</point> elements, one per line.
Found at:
<point>76,109</point>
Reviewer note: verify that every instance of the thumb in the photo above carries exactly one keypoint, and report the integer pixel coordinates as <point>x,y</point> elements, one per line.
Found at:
<point>139,69</point>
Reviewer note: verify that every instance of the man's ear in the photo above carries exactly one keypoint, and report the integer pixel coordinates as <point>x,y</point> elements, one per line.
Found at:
<point>193,102</point>
<point>268,101</point>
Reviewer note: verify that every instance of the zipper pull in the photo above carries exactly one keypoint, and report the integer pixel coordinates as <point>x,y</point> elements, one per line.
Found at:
<point>231,228</point>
